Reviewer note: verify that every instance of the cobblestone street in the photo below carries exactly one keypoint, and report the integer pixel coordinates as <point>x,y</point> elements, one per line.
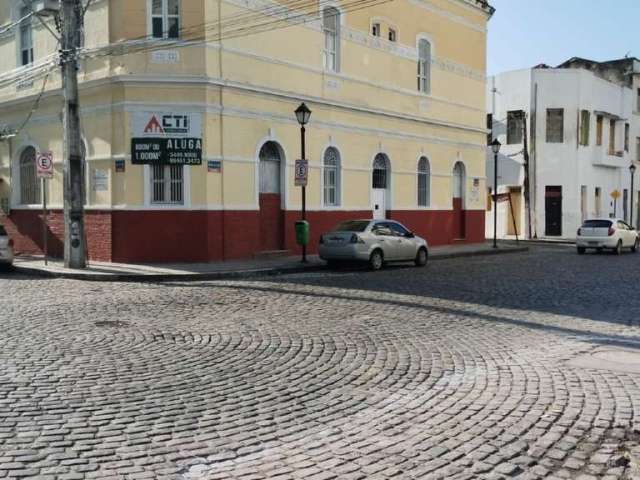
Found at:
<point>484,367</point>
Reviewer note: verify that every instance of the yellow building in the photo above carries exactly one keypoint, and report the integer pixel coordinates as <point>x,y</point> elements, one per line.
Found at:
<point>396,89</point>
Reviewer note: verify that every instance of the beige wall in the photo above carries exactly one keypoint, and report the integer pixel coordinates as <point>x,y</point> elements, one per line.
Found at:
<point>246,89</point>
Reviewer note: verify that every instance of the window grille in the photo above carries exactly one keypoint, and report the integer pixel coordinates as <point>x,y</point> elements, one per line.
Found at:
<point>29,191</point>
<point>380,167</point>
<point>424,180</point>
<point>167,184</point>
<point>331,177</point>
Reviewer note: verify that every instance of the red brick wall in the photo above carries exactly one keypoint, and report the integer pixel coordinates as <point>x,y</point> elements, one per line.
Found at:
<point>25,227</point>
<point>201,236</point>
<point>437,226</point>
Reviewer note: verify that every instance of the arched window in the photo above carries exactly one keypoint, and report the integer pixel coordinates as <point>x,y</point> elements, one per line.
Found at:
<point>424,66</point>
<point>424,182</point>
<point>29,191</point>
<point>458,180</point>
<point>331,28</point>
<point>270,159</point>
<point>380,170</point>
<point>331,176</point>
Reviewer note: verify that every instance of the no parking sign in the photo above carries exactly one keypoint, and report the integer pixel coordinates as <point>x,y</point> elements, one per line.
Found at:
<point>44,164</point>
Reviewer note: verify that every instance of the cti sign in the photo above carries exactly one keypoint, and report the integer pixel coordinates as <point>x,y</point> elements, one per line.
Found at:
<point>173,138</point>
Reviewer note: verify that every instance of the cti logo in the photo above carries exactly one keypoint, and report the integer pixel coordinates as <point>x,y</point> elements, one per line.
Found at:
<point>169,124</point>
<point>153,126</point>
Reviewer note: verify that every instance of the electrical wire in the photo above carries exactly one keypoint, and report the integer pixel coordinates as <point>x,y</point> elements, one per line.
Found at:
<point>6,28</point>
<point>231,27</point>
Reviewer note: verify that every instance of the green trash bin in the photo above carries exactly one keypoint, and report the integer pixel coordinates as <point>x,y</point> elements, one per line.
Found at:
<point>302,232</point>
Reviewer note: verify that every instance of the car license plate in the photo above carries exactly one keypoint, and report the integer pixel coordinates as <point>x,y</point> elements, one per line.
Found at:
<point>593,243</point>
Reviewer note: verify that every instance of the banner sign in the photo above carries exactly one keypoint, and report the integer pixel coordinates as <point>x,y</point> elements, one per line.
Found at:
<point>173,138</point>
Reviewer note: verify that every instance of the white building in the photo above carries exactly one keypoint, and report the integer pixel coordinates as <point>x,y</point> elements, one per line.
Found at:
<point>583,133</point>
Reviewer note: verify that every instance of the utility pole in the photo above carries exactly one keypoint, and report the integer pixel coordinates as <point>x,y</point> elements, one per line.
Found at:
<point>74,236</point>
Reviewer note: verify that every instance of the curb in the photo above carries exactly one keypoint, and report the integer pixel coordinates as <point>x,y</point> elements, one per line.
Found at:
<point>236,274</point>
<point>482,253</point>
<point>167,277</point>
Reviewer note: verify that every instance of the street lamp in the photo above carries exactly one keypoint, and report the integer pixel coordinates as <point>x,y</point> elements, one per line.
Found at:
<point>632,169</point>
<point>303,114</point>
<point>495,147</point>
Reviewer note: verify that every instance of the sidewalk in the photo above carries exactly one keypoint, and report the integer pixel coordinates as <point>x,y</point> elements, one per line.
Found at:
<point>103,271</point>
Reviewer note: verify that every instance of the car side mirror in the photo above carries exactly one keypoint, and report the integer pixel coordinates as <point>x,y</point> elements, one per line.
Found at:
<point>410,235</point>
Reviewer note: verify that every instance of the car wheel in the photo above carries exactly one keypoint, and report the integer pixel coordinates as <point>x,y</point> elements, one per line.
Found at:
<point>421,257</point>
<point>636,245</point>
<point>581,250</point>
<point>376,260</point>
<point>618,250</point>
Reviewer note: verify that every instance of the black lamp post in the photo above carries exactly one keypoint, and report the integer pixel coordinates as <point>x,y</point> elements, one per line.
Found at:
<point>632,169</point>
<point>495,147</point>
<point>303,114</point>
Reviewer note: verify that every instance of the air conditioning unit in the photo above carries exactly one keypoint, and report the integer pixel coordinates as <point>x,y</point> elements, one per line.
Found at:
<point>46,8</point>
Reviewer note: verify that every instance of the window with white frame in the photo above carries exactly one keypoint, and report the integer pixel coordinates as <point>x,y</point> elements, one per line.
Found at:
<point>331,177</point>
<point>393,35</point>
<point>167,184</point>
<point>331,28</point>
<point>424,66</point>
<point>26,38</point>
<point>165,19</point>
<point>424,182</point>
<point>29,191</point>
<point>375,29</point>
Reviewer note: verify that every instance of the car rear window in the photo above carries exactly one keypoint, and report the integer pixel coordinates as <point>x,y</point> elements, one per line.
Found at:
<point>352,226</point>
<point>596,224</point>
<point>3,232</point>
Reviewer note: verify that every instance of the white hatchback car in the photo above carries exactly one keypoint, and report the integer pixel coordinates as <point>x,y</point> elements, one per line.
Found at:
<point>610,233</point>
<point>373,241</point>
<point>6,248</point>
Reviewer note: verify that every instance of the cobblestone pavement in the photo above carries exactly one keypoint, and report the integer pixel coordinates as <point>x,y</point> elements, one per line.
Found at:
<point>466,369</point>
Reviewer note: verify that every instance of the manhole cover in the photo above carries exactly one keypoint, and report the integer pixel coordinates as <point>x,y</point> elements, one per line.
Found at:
<point>615,359</point>
<point>111,324</point>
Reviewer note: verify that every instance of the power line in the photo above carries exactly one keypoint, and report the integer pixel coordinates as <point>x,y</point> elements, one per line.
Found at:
<point>217,32</point>
<point>6,28</point>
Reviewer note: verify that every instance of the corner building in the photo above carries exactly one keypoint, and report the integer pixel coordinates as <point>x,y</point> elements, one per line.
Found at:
<point>397,93</point>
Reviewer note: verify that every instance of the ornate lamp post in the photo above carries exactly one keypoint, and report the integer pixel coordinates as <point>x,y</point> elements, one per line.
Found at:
<point>495,147</point>
<point>303,114</point>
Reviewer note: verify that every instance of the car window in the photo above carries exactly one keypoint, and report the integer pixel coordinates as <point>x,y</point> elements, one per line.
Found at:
<point>597,223</point>
<point>381,229</point>
<point>397,229</point>
<point>3,232</point>
<point>352,226</point>
<point>627,226</point>
<point>621,226</point>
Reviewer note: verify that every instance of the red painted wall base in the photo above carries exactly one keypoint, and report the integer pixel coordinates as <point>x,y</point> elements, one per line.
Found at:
<point>202,236</point>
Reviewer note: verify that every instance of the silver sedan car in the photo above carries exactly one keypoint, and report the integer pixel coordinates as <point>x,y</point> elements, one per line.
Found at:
<point>373,241</point>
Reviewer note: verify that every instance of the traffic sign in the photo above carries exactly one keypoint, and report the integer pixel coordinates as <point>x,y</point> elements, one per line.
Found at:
<point>44,164</point>
<point>615,194</point>
<point>301,173</point>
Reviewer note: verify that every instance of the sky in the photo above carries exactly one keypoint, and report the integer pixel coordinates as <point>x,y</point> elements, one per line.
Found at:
<point>524,33</point>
